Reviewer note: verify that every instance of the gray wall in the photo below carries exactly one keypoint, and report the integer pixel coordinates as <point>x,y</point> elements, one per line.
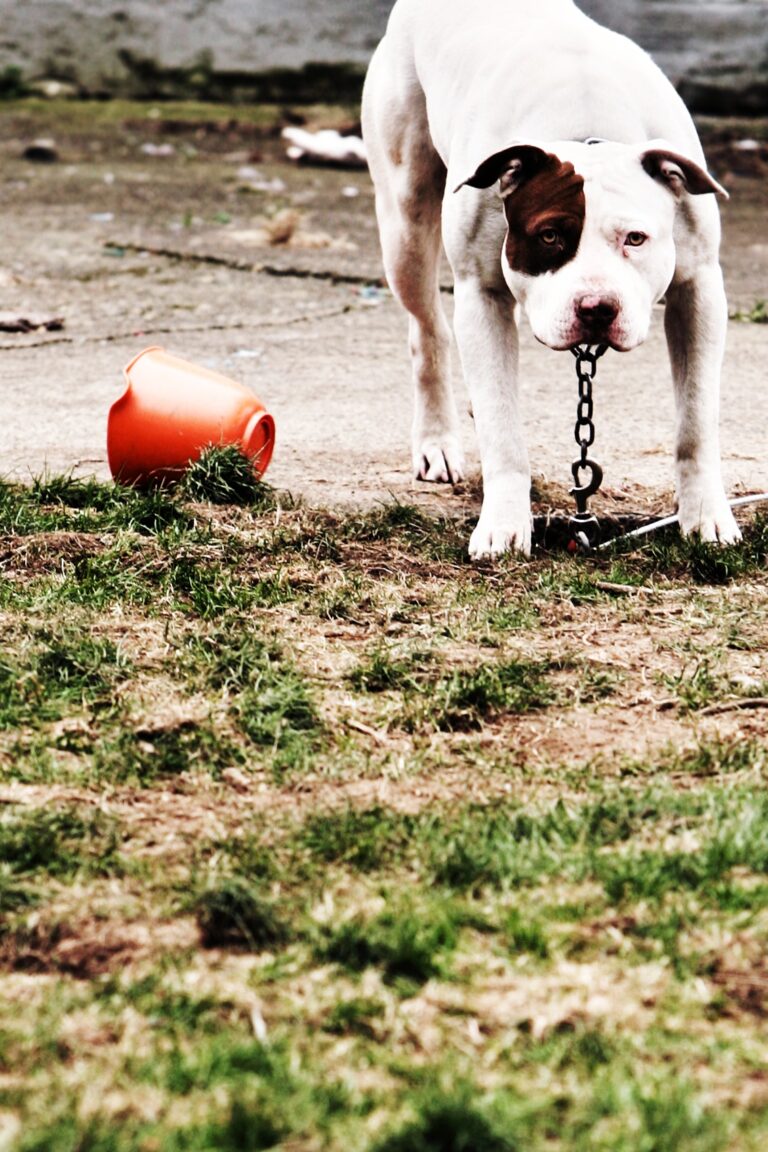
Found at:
<point>716,49</point>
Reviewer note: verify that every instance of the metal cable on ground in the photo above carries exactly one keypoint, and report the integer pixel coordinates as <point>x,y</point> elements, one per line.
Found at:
<point>667,520</point>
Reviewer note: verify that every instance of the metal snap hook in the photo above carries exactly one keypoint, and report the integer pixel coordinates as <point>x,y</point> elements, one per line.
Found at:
<point>581,492</point>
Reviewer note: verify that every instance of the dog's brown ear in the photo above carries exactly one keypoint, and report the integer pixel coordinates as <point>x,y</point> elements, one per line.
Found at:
<point>679,173</point>
<point>511,167</point>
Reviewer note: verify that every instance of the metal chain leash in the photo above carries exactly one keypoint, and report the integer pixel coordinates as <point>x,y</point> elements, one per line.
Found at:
<point>585,528</point>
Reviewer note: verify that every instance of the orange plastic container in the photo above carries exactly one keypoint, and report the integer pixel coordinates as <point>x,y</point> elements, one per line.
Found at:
<point>171,410</point>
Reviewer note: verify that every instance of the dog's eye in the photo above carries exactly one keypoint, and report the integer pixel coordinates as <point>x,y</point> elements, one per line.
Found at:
<point>635,239</point>
<point>549,237</point>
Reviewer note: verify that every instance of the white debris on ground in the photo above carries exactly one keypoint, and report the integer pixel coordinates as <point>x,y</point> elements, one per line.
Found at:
<point>325,147</point>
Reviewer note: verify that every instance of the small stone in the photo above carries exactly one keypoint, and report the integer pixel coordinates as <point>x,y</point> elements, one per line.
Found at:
<point>54,89</point>
<point>41,152</point>
<point>236,779</point>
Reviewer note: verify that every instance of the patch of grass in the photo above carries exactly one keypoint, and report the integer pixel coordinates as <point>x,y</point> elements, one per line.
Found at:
<point>254,856</point>
<point>676,557</point>
<point>175,1012</point>
<point>12,83</point>
<point>228,657</point>
<point>624,1113</point>
<point>758,314</point>
<point>76,667</point>
<point>278,713</point>
<point>663,930</point>
<point>695,688</point>
<point>263,1103</point>
<point>582,1048</point>
<point>68,1134</point>
<point>233,912</point>
<point>504,616</point>
<point>118,575</point>
<point>56,503</point>
<point>382,671</point>
<point>468,846</point>
<point>466,698</point>
<point>366,839</point>
<point>207,589</point>
<point>272,1098</point>
<point>14,895</point>
<point>501,846</point>
<point>524,934</point>
<point>276,709</point>
<point>248,1127</point>
<point>61,843</point>
<point>408,942</point>
<point>345,599</point>
<point>126,754</point>
<point>488,614</point>
<point>449,1122</point>
<point>403,524</point>
<point>580,586</point>
<point>700,686</point>
<point>95,118</point>
<point>739,840</point>
<point>358,1016</point>
<point>223,474</point>
<point>269,700</point>
<point>59,671</point>
<point>720,758</point>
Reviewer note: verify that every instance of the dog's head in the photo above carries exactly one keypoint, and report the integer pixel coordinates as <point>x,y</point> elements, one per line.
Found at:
<point>590,243</point>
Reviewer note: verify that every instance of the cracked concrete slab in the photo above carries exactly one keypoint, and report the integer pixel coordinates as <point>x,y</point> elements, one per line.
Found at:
<point>134,251</point>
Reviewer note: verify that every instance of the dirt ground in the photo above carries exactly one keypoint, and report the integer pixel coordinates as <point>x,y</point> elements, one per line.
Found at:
<point>187,248</point>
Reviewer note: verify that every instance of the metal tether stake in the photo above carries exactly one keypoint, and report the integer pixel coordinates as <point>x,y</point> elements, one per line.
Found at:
<point>585,528</point>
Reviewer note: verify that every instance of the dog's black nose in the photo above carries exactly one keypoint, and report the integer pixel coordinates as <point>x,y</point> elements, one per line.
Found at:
<point>597,311</point>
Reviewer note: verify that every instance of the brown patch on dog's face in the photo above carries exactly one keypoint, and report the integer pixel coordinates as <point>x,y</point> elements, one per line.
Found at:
<point>545,217</point>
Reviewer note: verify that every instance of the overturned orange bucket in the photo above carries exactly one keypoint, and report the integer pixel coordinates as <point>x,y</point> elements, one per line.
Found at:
<point>172,410</point>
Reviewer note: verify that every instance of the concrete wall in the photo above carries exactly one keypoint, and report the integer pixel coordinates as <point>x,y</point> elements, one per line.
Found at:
<point>716,49</point>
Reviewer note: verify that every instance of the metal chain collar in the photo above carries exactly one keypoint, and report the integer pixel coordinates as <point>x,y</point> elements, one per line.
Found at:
<point>585,529</point>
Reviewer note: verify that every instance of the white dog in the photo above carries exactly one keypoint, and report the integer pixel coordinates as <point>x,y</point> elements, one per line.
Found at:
<point>605,208</point>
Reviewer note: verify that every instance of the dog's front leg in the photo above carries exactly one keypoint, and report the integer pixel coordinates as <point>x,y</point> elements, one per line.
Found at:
<point>695,321</point>
<point>486,334</point>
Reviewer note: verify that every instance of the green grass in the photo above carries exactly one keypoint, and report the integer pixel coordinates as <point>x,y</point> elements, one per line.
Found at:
<point>61,670</point>
<point>357,1016</point>
<point>225,475</point>
<point>62,843</point>
<point>458,700</point>
<point>668,553</point>
<point>130,755</point>
<point>466,698</point>
<point>505,848</point>
<point>758,314</point>
<point>402,524</point>
<point>233,912</point>
<point>525,934</point>
<point>446,1124</point>
<point>365,839</point>
<point>701,685</point>
<point>103,118</point>
<point>409,943</point>
<point>314,835</point>
<point>60,503</point>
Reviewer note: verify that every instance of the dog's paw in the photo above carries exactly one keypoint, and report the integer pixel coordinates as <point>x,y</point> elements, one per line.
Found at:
<point>492,539</point>
<point>711,519</point>
<point>439,461</point>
